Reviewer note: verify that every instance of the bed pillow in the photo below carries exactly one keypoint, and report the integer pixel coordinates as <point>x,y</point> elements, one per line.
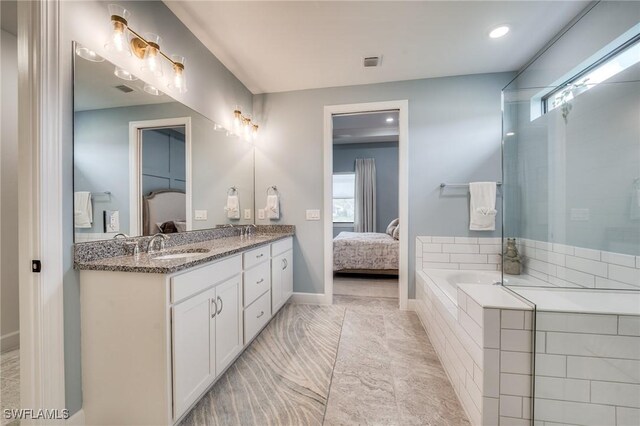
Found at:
<point>396,233</point>
<point>392,226</point>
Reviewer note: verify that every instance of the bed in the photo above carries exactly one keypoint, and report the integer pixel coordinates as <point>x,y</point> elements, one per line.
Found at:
<point>164,211</point>
<point>365,253</point>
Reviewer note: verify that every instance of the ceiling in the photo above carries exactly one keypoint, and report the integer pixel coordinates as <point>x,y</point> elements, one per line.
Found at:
<point>365,127</point>
<point>274,46</point>
<point>95,84</point>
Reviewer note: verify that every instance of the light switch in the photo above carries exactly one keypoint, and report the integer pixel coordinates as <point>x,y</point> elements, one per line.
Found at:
<point>261,214</point>
<point>313,214</point>
<point>247,213</point>
<point>112,221</point>
<point>200,215</point>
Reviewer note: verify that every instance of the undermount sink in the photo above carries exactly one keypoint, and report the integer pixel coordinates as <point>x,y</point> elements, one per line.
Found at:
<point>180,254</point>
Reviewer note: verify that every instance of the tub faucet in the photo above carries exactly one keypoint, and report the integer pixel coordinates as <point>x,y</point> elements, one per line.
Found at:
<point>152,242</point>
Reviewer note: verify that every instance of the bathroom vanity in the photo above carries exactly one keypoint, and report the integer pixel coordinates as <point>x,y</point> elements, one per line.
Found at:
<point>157,334</point>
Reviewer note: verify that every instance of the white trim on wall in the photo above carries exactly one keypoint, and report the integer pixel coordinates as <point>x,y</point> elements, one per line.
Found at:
<point>135,182</point>
<point>403,147</point>
<point>42,383</point>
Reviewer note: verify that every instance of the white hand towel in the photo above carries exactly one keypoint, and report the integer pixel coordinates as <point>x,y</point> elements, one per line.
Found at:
<point>482,206</point>
<point>82,210</point>
<point>273,207</point>
<point>233,207</point>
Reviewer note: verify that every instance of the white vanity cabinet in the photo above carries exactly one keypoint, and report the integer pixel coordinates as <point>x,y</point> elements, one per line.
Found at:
<point>281,273</point>
<point>154,343</point>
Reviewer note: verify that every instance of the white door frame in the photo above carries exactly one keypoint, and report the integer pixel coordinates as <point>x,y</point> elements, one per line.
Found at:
<point>40,205</point>
<point>135,163</point>
<point>403,147</point>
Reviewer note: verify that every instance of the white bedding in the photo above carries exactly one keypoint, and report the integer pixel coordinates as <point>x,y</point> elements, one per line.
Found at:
<point>365,251</point>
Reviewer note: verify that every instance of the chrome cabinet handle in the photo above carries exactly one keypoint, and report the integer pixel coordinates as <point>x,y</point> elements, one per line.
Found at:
<point>261,314</point>
<point>259,256</point>
<point>221,306</point>
<point>260,282</point>
<point>284,264</point>
<point>214,305</point>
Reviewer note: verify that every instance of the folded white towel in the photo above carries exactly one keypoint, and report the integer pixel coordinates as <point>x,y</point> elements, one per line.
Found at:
<point>82,210</point>
<point>233,207</point>
<point>482,206</point>
<point>273,207</point>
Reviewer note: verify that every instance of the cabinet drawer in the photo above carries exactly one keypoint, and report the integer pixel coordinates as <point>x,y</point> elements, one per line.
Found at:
<point>256,316</point>
<point>281,246</point>
<point>255,256</point>
<point>256,281</point>
<point>184,285</point>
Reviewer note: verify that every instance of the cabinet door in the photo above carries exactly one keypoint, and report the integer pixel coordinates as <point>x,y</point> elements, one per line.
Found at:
<point>277,268</point>
<point>193,348</point>
<point>228,322</point>
<point>287,276</point>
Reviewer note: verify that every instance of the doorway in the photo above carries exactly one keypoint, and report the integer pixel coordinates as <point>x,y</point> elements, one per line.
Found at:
<point>366,201</point>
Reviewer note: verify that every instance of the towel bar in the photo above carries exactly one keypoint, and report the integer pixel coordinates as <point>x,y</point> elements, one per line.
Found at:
<point>443,185</point>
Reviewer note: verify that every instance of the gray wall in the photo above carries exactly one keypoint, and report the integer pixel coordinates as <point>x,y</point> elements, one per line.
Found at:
<point>9,319</point>
<point>555,169</point>
<point>213,92</point>
<point>386,156</point>
<point>454,136</point>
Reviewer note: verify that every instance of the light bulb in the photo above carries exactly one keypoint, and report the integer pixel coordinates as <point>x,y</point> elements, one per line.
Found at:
<point>246,127</point>
<point>237,118</point>
<point>151,60</point>
<point>119,39</point>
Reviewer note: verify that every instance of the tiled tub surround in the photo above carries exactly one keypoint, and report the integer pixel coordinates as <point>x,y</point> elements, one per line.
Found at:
<point>483,338</point>
<point>561,265</point>
<point>458,253</point>
<point>587,365</point>
<point>112,255</point>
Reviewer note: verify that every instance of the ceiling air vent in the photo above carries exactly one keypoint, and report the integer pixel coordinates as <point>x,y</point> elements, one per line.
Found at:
<point>371,61</point>
<point>124,89</point>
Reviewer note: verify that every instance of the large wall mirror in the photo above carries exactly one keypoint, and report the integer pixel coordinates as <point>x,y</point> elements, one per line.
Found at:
<point>144,163</point>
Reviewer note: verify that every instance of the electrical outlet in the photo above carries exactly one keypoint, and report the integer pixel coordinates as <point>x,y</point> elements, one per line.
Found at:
<point>313,214</point>
<point>247,213</point>
<point>261,214</point>
<point>200,215</point>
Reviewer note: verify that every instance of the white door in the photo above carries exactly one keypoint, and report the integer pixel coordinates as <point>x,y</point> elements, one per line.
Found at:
<point>277,268</point>
<point>287,276</point>
<point>228,322</point>
<point>193,348</point>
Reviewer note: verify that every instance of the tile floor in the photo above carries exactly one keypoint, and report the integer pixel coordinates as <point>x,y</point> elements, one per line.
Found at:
<point>359,361</point>
<point>9,383</point>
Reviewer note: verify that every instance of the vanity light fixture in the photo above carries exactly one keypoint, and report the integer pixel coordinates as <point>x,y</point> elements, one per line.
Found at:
<point>243,126</point>
<point>498,32</point>
<point>88,54</point>
<point>125,40</point>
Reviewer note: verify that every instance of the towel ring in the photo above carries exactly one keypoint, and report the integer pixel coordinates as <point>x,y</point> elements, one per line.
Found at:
<point>232,191</point>
<point>274,189</point>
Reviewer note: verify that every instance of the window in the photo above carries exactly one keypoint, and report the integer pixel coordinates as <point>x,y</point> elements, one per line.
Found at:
<point>617,61</point>
<point>344,188</point>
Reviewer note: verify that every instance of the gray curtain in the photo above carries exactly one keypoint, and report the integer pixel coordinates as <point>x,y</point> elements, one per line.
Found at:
<point>365,218</point>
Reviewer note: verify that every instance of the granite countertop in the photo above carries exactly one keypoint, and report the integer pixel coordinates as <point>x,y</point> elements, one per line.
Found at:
<point>217,248</point>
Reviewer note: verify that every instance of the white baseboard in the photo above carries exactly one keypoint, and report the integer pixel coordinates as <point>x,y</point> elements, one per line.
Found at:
<point>10,341</point>
<point>77,419</point>
<point>310,298</point>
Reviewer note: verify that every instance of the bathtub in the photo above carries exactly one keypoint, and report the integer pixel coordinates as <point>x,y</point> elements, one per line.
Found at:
<point>445,283</point>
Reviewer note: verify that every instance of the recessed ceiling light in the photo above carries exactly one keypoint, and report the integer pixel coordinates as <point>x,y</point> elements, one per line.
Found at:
<point>510,134</point>
<point>389,119</point>
<point>498,32</point>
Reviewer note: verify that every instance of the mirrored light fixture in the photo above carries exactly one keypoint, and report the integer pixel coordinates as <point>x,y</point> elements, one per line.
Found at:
<point>119,40</point>
<point>152,90</point>
<point>243,126</point>
<point>88,54</point>
<point>124,74</point>
<point>123,39</point>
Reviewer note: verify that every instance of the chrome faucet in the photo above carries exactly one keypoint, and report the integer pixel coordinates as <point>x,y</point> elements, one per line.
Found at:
<point>251,228</point>
<point>152,242</point>
<point>120,234</point>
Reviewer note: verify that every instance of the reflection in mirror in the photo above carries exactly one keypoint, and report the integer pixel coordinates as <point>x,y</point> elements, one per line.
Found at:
<point>145,164</point>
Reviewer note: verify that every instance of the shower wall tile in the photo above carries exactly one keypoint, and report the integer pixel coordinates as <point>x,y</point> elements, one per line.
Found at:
<point>467,253</point>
